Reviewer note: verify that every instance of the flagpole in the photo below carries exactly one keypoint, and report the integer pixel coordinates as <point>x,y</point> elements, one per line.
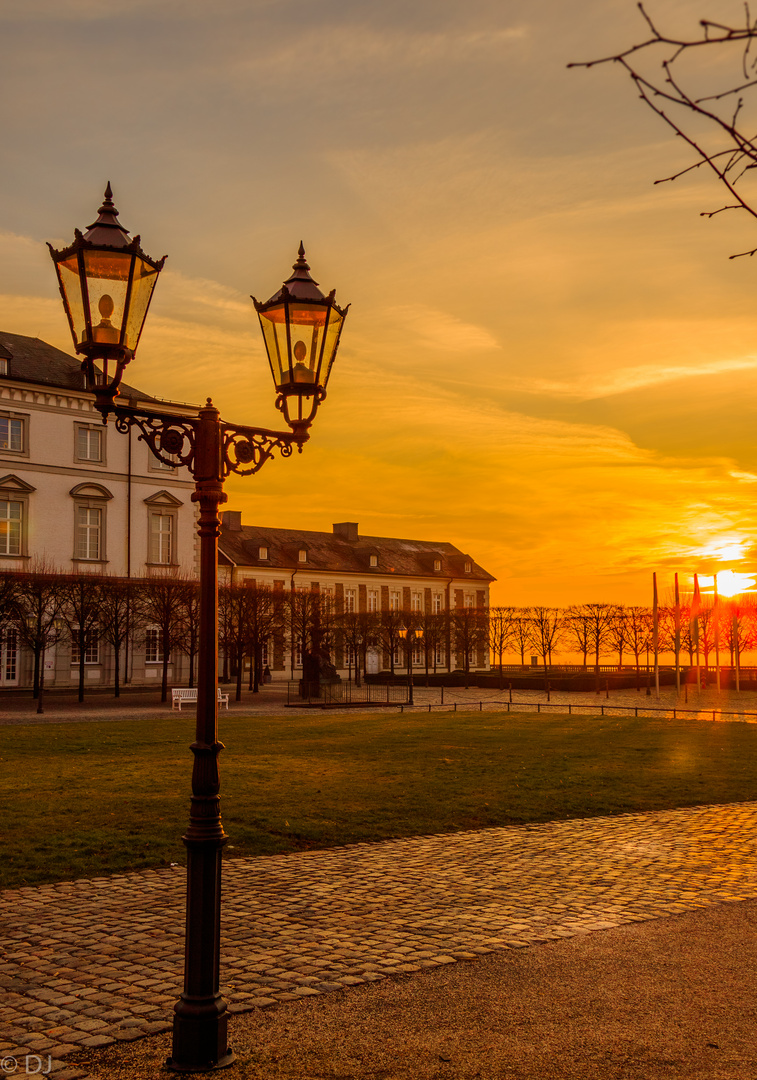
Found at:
<point>735,633</point>
<point>716,614</point>
<point>656,638</point>
<point>695,612</point>
<point>678,639</point>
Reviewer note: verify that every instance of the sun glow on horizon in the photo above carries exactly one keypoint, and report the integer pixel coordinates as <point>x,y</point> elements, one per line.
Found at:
<point>730,583</point>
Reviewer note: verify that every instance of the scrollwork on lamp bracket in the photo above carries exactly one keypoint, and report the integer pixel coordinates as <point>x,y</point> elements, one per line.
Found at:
<point>172,440</point>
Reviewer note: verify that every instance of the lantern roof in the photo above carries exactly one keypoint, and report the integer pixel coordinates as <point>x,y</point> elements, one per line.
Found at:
<point>299,285</point>
<point>107,230</point>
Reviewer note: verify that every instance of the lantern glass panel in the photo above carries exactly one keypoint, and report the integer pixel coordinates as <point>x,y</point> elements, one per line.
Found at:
<point>306,328</point>
<point>333,330</point>
<point>273,324</point>
<point>68,276</point>
<point>143,283</point>
<point>107,283</point>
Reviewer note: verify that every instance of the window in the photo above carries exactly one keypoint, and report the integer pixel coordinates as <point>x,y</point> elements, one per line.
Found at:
<point>397,653</point>
<point>89,521</point>
<point>262,552</point>
<point>374,560</point>
<point>8,656</point>
<point>3,365</point>
<point>418,655</point>
<point>468,567</point>
<point>437,564</point>
<point>153,649</point>
<point>156,465</point>
<point>161,538</point>
<point>265,655</point>
<point>11,434</point>
<point>349,656</point>
<point>14,515</point>
<point>91,648</point>
<point>349,600</point>
<point>415,602</point>
<point>162,529</point>
<point>303,555</point>
<point>89,443</point>
<point>437,603</point>
<point>373,598</point>
<point>90,512</point>
<point>469,600</point>
<point>394,601</point>
<point>439,654</point>
<point>11,526</point>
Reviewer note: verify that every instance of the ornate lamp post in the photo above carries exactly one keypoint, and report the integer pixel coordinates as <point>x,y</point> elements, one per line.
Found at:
<point>411,637</point>
<point>106,282</point>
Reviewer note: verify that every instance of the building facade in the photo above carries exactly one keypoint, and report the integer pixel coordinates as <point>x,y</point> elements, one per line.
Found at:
<point>361,574</point>
<point>77,496</point>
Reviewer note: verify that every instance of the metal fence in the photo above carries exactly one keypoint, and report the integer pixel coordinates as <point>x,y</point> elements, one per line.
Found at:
<point>333,695</point>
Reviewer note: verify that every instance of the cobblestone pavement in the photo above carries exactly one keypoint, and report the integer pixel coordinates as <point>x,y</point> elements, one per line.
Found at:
<point>85,963</point>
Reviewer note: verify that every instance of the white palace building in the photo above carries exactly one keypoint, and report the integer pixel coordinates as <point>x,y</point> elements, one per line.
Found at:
<point>78,496</point>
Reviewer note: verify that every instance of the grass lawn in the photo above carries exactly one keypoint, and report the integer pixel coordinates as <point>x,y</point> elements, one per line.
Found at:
<point>83,800</point>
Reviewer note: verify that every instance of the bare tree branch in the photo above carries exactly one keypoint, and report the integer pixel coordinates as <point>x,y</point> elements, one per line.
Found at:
<point>669,90</point>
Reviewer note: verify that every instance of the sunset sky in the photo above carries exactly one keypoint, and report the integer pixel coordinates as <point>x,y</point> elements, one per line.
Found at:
<point>549,361</point>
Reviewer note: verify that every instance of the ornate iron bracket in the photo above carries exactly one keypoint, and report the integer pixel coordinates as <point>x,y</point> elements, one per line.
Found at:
<point>172,440</point>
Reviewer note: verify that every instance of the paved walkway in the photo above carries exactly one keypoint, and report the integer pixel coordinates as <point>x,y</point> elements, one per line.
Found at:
<point>19,708</point>
<point>86,963</point>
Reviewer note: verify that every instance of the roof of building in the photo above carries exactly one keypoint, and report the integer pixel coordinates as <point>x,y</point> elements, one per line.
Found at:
<point>343,551</point>
<point>32,360</point>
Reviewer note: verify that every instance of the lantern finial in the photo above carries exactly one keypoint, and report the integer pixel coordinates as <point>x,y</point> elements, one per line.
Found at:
<point>108,229</point>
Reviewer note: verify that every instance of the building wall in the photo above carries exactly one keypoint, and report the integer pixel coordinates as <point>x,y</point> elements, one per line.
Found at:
<point>50,478</point>
<point>419,593</point>
<point>119,484</point>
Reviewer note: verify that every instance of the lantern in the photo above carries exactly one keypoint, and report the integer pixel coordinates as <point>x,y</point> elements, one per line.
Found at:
<point>106,282</point>
<point>301,329</point>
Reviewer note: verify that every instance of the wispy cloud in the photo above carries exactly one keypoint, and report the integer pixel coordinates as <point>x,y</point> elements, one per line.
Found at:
<point>586,387</point>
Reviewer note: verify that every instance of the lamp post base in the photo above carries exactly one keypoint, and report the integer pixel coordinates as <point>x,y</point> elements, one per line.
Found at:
<point>200,1042</point>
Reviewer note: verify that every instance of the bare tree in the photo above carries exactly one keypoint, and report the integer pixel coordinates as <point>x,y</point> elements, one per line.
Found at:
<point>522,631</point>
<point>714,124</point>
<point>80,611</point>
<point>158,600</point>
<point>188,615</point>
<point>578,630</point>
<point>547,627</point>
<point>389,633</point>
<point>469,630</point>
<point>38,599</point>
<point>115,620</point>
<point>500,632</point>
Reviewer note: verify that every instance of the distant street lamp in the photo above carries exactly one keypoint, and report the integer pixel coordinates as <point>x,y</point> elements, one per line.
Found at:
<point>107,282</point>
<point>411,637</point>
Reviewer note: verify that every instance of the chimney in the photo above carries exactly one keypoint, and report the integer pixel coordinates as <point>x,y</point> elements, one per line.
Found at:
<point>346,530</point>
<point>232,520</point>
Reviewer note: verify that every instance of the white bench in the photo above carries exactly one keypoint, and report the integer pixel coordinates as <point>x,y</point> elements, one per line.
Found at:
<point>182,695</point>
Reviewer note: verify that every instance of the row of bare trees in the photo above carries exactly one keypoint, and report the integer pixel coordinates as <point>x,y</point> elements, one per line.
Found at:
<point>45,607</point>
<point>602,630</point>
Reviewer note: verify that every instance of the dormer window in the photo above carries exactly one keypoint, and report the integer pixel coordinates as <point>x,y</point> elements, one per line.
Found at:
<point>262,552</point>
<point>437,564</point>
<point>3,365</point>
<point>303,555</point>
<point>468,567</point>
<point>374,560</point>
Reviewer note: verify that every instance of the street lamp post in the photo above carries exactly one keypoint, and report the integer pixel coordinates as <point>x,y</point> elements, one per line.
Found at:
<point>104,274</point>
<point>411,636</point>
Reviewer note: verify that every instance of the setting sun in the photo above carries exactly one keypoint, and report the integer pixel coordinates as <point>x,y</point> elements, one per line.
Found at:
<point>730,583</point>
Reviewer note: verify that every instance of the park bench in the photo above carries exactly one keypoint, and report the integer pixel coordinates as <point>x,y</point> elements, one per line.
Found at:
<point>181,695</point>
